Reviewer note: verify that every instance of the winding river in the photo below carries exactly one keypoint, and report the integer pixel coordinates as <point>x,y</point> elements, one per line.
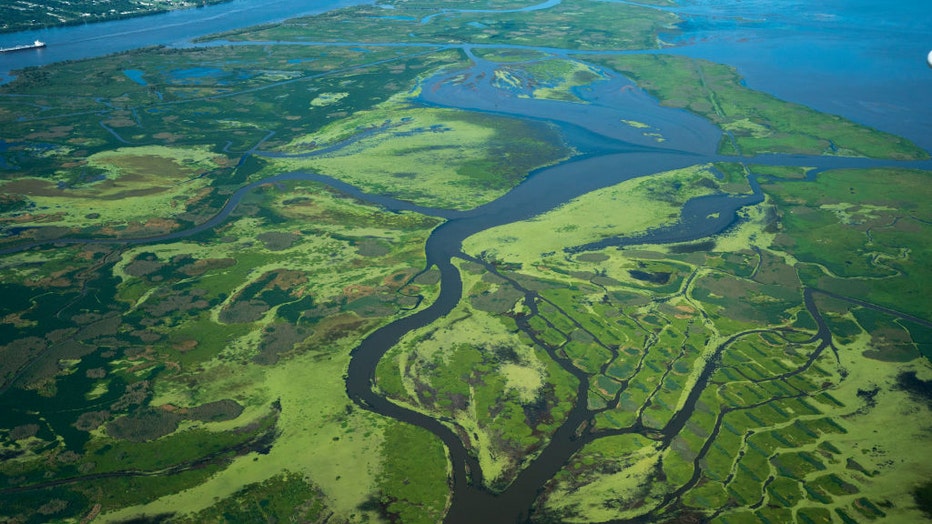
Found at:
<point>610,152</point>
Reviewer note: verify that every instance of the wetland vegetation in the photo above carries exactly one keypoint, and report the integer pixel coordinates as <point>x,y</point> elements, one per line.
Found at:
<point>339,269</point>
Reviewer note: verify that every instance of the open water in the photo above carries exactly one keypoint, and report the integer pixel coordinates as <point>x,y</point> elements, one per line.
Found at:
<point>853,55</point>
<point>861,59</point>
<point>174,28</point>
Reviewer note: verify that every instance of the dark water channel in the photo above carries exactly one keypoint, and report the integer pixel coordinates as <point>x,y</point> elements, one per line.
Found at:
<point>610,152</point>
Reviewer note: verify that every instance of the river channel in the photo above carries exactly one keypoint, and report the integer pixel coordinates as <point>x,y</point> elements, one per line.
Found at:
<point>610,153</point>
<point>173,28</point>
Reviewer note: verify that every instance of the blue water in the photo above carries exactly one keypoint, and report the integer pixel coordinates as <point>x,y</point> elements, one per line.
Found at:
<point>547,4</point>
<point>196,72</point>
<point>172,29</point>
<point>398,17</point>
<point>862,59</point>
<point>3,162</point>
<point>136,75</point>
<point>201,75</point>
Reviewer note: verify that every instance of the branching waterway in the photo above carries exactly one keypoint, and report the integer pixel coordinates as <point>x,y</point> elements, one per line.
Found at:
<point>610,152</point>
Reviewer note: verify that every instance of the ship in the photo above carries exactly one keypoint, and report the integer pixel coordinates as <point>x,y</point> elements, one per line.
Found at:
<point>38,44</point>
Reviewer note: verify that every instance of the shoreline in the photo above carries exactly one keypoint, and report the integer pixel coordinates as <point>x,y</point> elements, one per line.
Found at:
<point>105,18</point>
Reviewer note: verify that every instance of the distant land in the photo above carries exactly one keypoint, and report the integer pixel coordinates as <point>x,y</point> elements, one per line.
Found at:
<point>20,15</point>
<point>490,261</point>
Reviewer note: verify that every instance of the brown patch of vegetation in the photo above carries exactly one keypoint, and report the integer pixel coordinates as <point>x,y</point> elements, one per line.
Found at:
<point>397,279</point>
<point>372,247</point>
<point>226,409</point>
<point>287,280</point>
<point>147,336</point>
<point>270,289</point>
<point>52,507</point>
<point>151,227</point>
<point>23,432</point>
<point>243,311</point>
<point>277,339</point>
<point>199,267</point>
<point>120,122</point>
<point>496,302</point>
<point>17,354</point>
<point>91,420</point>
<point>143,266</point>
<point>53,133</point>
<point>336,327</point>
<point>97,327</point>
<point>277,240</point>
<point>891,345</point>
<point>135,394</point>
<point>185,345</point>
<point>147,424</point>
<point>96,373</point>
<point>164,302</point>
<point>356,291</point>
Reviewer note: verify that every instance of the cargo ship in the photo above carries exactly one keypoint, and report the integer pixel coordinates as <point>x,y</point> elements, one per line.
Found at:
<point>38,44</point>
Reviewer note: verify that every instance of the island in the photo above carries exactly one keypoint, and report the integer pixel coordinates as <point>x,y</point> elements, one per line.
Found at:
<point>486,262</point>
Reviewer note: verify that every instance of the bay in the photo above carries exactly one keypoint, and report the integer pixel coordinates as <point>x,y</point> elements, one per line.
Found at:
<point>864,60</point>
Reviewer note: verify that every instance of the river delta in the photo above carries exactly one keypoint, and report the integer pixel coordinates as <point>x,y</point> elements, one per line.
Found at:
<point>486,262</point>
